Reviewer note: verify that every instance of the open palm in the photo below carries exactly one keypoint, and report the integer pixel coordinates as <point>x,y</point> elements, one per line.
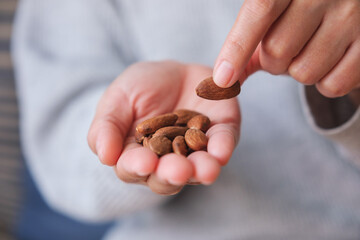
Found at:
<point>148,89</point>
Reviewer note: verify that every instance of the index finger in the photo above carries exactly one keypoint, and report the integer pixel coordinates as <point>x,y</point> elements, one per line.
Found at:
<point>252,23</point>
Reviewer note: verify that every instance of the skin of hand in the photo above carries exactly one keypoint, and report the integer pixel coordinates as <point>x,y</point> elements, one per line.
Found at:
<point>316,42</point>
<point>148,89</point>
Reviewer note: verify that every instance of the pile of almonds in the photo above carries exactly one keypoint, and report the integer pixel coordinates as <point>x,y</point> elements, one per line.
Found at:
<point>181,132</point>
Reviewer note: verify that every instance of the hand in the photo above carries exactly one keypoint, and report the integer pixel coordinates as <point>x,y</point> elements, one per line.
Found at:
<point>145,90</point>
<point>316,42</point>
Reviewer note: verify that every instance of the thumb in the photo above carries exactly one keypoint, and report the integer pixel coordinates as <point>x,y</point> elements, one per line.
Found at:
<point>109,128</point>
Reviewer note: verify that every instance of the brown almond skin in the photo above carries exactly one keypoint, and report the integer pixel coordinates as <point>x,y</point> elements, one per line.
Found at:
<point>160,145</point>
<point>209,90</point>
<point>179,146</point>
<point>200,122</point>
<point>151,125</point>
<point>196,139</point>
<point>139,137</point>
<point>146,141</point>
<point>171,132</point>
<point>184,116</point>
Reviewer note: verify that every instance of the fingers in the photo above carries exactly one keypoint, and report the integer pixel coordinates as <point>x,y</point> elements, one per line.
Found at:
<point>168,174</point>
<point>323,52</point>
<point>206,167</point>
<point>136,163</point>
<point>253,21</point>
<point>109,128</point>
<point>172,173</point>
<point>160,186</point>
<point>289,34</point>
<point>165,175</point>
<point>344,77</point>
<point>223,139</point>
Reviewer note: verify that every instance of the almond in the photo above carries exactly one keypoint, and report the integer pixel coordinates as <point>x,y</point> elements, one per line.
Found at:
<point>139,137</point>
<point>146,141</point>
<point>184,116</point>
<point>171,132</point>
<point>160,145</point>
<point>179,146</point>
<point>196,139</point>
<point>151,125</point>
<point>200,122</point>
<point>209,90</point>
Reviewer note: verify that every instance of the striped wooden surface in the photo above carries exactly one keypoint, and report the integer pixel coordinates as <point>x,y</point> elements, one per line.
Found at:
<point>10,165</point>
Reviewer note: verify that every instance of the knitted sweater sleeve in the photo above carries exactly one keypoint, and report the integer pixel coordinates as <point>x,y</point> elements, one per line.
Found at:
<point>337,119</point>
<point>65,56</point>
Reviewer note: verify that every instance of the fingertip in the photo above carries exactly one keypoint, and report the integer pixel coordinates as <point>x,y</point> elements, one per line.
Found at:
<point>174,169</point>
<point>223,74</point>
<point>221,144</point>
<point>139,161</point>
<point>207,168</point>
<point>108,147</point>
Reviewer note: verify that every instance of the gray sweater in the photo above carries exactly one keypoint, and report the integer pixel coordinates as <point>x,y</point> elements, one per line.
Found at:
<point>289,178</point>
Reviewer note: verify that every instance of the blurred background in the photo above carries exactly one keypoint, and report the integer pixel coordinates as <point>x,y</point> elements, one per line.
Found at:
<point>10,163</point>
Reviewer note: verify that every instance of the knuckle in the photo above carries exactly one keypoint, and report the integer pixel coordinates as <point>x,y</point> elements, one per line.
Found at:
<point>274,70</point>
<point>302,74</point>
<point>331,89</point>
<point>275,49</point>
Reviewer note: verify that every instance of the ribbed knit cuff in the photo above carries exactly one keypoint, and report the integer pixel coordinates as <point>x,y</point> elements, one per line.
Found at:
<point>339,123</point>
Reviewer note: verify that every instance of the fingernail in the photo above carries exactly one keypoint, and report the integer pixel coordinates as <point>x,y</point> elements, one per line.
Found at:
<point>223,74</point>
<point>174,182</point>
<point>99,148</point>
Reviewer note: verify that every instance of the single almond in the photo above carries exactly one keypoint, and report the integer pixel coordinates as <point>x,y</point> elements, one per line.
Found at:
<point>209,90</point>
<point>171,132</point>
<point>200,122</point>
<point>146,141</point>
<point>139,137</point>
<point>184,116</point>
<point>179,146</point>
<point>151,125</point>
<point>196,139</point>
<point>160,145</point>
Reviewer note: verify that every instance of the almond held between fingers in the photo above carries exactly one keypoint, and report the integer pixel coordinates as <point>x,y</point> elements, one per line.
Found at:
<point>160,145</point>
<point>151,125</point>
<point>179,146</point>
<point>200,122</point>
<point>184,116</point>
<point>171,132</point>
<point>209,90</point>
<point>196,139</point>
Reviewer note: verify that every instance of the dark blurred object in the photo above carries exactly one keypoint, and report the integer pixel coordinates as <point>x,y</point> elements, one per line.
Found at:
<point>355,96</point>
<point>10,164</point>
<point>329,112</point>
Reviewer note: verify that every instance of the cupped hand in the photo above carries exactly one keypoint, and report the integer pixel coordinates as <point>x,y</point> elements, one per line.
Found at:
<point>148,89</point>
<point>316,42</point>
